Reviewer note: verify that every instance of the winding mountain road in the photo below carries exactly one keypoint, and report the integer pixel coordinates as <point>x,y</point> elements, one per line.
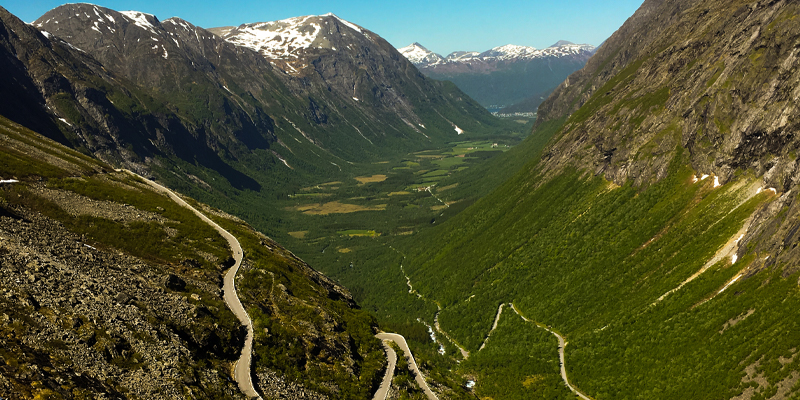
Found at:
<point>561,345</point>
<point>383,390</point>
<point>412,364</point>
<point>494,326</point>
<point>241,371</point>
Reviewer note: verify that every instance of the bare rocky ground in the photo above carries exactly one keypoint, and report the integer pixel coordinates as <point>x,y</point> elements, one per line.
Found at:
<point>83,322</point>
<point>274,386</point>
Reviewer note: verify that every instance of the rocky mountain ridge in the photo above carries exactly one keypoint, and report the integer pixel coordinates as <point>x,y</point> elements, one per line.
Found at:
<point>419,55</point>
<point>169,82</point>
<point>724,92</point>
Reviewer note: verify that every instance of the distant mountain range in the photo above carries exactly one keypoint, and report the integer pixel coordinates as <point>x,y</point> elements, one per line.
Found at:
<point>506,75</point>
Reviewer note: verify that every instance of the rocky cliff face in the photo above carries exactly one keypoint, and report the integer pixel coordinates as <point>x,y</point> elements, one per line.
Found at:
<point>716,79</point>
<point>717,82</point>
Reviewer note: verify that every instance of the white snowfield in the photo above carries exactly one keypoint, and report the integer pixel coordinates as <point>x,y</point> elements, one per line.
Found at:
<point>141,19</point>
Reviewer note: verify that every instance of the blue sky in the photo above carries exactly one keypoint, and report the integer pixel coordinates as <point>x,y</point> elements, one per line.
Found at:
<point>442,26</point>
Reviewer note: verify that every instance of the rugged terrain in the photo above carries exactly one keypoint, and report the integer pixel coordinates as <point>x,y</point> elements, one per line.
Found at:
<point>110,288</point>
<point>505,76</point>
<point>646,237</point>
<point>718,80</point>
<point>202,114</point>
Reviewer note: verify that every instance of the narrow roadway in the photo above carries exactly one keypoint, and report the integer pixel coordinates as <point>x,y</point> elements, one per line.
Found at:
<point>494,326</point>
<point>241,371</point>
<point>412,364</point>
<point>561,345</point>
<point>383,391</point>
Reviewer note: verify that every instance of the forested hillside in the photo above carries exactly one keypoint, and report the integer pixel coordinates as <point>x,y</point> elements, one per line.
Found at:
<point>656,230</point>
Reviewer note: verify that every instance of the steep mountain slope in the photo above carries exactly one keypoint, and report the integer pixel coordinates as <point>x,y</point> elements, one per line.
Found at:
<point>724,94</point>
<point>111,288</point>
<point>234,127</point>
<point>360,68</point>
<point>350,94</point>
<point>86,105</point>
<point>656,231</point>
<point>505,75</point>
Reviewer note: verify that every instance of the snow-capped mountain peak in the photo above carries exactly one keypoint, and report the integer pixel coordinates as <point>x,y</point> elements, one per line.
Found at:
<point>418,54</point>
<point>288,41</point>
<point>347,23</point>
<point>462,55</point>
<point>277,39</point>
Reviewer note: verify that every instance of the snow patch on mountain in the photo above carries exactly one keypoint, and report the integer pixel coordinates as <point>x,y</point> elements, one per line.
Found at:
<point>346,23</point>
<point>141,19</point>
<point>462,55</point>
<point>286,39</point>
<point>278,39</point>
<point>510,51</point>
<point>182,23</point>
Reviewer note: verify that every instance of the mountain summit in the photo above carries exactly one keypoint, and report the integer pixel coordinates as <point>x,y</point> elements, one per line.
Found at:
<point>293,42</point>
<point>419,55</point>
